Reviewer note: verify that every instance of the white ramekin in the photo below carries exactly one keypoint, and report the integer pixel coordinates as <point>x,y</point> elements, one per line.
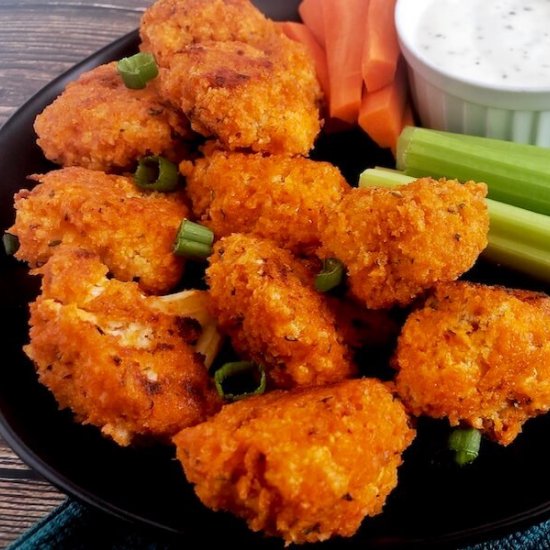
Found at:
<point>446,102</point>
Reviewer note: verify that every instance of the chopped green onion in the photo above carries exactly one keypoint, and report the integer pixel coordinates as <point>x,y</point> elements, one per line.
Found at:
<point>155,173</point>
<point>515,173</point>
<point>330,276</point>
<point>193,249</point>
<point>193,240</point>
<point>11,243</point>
<point>233,371</point>
<point>137,70</point>
<point>465,443</point>
<point>196,232</point>
<point>518,238</point>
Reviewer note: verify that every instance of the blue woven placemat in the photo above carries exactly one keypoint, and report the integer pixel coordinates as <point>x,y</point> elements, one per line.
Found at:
<point>73,526</point>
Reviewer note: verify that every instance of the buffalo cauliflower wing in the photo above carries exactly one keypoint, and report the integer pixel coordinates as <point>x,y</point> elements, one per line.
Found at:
<point>304,465</point>
<point>133,231</point>
<point>479,356</point>
<point>397,243</point>
<point>263,298</point>
<point>168,26</point>
<point>99,123</point>
<point>286,199</point>
<point>246,97</point>
<point>108,353</point>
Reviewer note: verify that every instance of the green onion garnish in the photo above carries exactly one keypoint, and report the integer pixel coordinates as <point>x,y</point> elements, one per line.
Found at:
<point>330,276</point>
<point>232,372</point>
<point>193,240</point>
<point>11,243</point>
<point>465,443</point>
<point>155,173</point>
<point>137,70</point>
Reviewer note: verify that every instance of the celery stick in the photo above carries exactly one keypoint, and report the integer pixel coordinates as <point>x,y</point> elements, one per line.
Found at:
<point>518,238</point>
<point>527,259</point>
<point>383,177</point>
<point>515,173</point>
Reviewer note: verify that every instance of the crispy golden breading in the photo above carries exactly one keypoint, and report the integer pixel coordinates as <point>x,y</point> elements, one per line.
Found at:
<point>304,465</point>
<point>107,354</point>
<point>133,231</point>
<point>477,355</point>
<point>286,199</point>
<point>168,26</point>
<point>247,97</point>
<point>398,243</point>
<point>99,123</point>
<point>263,298</point>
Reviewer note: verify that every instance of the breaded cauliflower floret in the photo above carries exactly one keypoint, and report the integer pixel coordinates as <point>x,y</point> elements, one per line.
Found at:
<point>286,199</point>
<point>99,123</point>
<point>263,298</point>
<point>250,98</point>
<point>303,465</point>
<point>397,243</point>
<point>168,26</point>
<point>132,230</point>
<point>479,356</point>
<point>108,354</point>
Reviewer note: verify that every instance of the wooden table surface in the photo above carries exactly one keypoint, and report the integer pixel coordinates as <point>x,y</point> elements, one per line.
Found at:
<point>40,39</point>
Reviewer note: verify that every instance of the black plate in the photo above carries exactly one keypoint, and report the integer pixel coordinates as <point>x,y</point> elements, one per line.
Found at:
<point>435,502</point>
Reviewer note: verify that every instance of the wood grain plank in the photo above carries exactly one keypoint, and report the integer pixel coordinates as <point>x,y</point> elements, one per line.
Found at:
<point>9,460</point>
<point>23,502</point>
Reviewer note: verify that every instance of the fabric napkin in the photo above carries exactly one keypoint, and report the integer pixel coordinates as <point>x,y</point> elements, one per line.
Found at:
<point>73,526</point>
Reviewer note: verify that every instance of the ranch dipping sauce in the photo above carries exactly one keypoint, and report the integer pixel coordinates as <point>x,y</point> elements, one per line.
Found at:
<point>504,43</point>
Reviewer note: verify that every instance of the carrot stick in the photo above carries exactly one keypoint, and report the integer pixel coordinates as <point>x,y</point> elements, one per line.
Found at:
<point>344,24</point>
<point>408,117</point>
<point>408,120</point>
<point>380,46</point>
<point>382,112</point>
<point>304,35</point>
<point>311,12</point>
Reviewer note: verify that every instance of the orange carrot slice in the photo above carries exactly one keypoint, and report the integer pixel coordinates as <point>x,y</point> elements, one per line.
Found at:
<point>311,12</point>
<point>382,112</point>
<point>303,34</point>
<point>408,120</point>
<point>380,46</point>
<point>408,117</point>
<point>344,30</point>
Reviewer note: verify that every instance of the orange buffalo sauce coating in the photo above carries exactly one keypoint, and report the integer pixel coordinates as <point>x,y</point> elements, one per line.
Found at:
<point>106,352</point>
<point>397,243</point>
<point>477,355</point>
<point>263,298</point>
<point>303,465</point>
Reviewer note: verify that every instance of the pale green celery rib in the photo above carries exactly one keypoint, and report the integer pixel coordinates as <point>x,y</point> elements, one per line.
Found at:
<point>383,177</point>
<point>515,173</point>
<point>518,238</point>
<point>527,259</point>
